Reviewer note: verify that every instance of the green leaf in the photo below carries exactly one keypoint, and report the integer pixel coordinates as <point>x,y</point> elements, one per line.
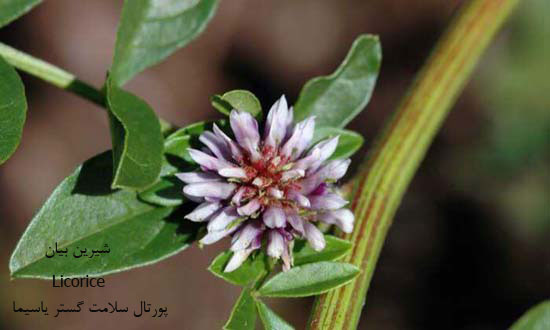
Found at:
<point>12,9</point>
<point>137,140</point>
<point>239,99</point>
<point>335,249</point>
<point>348,143</point>
<point>166,192</point>
<point>243,315</point>
<point>151,30</point>
<point>252,269</point>
<point>536,318</point>
<point>177,146</point>
<point>13,109</point>
<point>309,279</point>
<point>270,320</point>
<point>196,129</point>
<point>83,212</point>
<point>336,99</point>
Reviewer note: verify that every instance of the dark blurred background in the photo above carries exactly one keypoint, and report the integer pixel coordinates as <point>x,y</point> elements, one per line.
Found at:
<point>470,245</point>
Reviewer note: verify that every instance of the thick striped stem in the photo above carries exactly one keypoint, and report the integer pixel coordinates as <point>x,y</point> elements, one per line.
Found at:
<point>401,147</point>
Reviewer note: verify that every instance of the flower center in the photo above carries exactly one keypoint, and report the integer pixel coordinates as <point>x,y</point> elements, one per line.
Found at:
<point>265,179</point>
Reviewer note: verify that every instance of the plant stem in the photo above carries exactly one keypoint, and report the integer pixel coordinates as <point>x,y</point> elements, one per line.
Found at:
<point>58,77</point>
<point>50,73</point>
<point>401,147</point>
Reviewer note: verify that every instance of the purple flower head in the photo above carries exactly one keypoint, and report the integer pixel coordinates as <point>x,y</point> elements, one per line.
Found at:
<point>268,188</point>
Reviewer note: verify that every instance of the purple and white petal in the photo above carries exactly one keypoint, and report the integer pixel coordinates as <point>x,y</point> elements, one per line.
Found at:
<point>296,222</point>
<point>288,259</point>
<point>334,169</point>
<point>276,123</point>
<point>302,200</point>
<point>214,236</point>
<point>233,172</point>
<point>343,218</point>
<point>300,139</point>
<point>240,194</point>
<point>203,211</point>
<point>207,161</point>
<point>233,147</point>
<point>274,217</point>
<point>198,177</point>
<point>275,193</point>
<point>276,244</point>
<point>237,260</point>
<point>292,174</point>
<point>245,128</point>
<point>216,145</point>
<point>246,236</point>
<point>326,149</point>
<point>250,208</point>
<point>328,201</point>
<point>314,236</point>
<point>223,219</point>
<point>218,190</point>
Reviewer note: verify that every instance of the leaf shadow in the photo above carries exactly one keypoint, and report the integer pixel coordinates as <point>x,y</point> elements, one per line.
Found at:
<point>95,176</point>
<point>185,227</point>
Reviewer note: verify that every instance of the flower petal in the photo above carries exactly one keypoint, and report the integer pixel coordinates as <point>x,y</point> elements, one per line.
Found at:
<point>207,161</point>
<point>302,200</point>
<point>251,207</point>
<point>314,236</point>
<point>233,147</point>
<point>241,194</point>
<point>342,218</point>
<point>223,219</point>
<point>274,217</point>
<point>237,260</point>
<point>219,190</point>
<point>292,174</point>
<point>276,123</point>
<point>276,244</point>
<point>198,177</point>
<point>326,149</point>
<point>233,172</point>
<point>288,259</point>
<point>300,139</point>
<point>245,128</point>
<point>216,144</point>
<point>203,212</point>
<point>246,236</point>
<point>214,236</point>
<point>296,222</point>
<point>275,193</point>
<point>328,201</point>
<point>334,169</point>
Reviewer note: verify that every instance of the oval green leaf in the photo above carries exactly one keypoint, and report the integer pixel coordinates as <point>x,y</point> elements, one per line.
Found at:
<point>12,9</point>
<point>270,320</point>
<point>335,249</point>
<point>309,279</point>
<point>536,318</point>
<point>150,30</point>
<point>252,269</point>
<point>13,110</point>
<point>243,315</point>
<point>84,213</point>
<point>239,99</point>
<point>348,143</point>
<point>336,99</point>
<point>137,140</point>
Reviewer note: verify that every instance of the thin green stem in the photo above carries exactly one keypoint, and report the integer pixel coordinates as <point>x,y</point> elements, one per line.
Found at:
<point>58,77</point>
<point>50,73</point>
<point>400,148</point>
